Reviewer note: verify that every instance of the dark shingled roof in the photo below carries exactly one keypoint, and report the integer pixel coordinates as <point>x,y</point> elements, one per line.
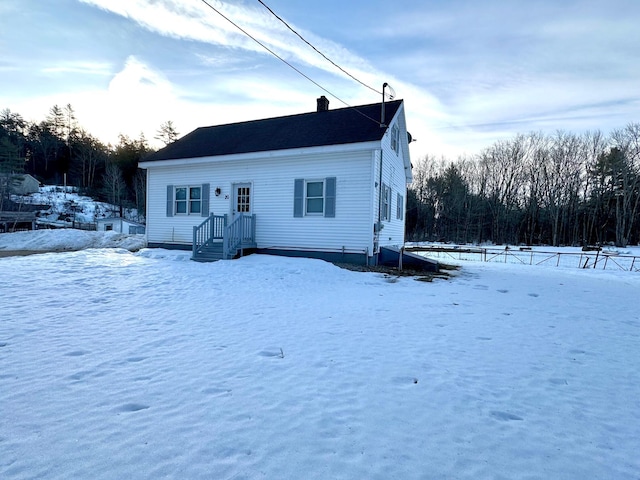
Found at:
<point>331,127</point>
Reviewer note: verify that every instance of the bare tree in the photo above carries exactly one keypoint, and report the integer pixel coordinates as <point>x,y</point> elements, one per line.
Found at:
<point>114,185</point>
<point>167,133</point>
<point>91,154</point>
<point>593,145</point>
<point>624,161</point>
<point>140,191</point>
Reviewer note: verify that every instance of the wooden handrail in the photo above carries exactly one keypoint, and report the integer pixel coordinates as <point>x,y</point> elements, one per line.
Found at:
<point>240,233</point>
<point>209,230</point>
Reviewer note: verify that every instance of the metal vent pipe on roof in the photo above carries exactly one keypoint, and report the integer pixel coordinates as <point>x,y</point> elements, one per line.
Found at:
<point>392,95</point>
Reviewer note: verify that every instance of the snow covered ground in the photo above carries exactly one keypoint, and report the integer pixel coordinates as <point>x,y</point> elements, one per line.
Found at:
<point>146,365</point>
<point>608,258</point>
<point>66,206</point>
<point>67,239</point>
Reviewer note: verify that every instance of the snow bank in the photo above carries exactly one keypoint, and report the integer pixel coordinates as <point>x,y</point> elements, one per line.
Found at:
<point>68,240</point>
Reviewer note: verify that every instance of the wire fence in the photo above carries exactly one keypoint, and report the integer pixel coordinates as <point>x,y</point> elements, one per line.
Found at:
<point>601,260</point>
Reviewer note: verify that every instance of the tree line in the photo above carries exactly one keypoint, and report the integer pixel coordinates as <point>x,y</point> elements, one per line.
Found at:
<point>553,189</point>
<point>536,188</point>
<point>58,150</point>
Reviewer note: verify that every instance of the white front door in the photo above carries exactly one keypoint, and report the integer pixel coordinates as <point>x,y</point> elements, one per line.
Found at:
<point>241,198</point>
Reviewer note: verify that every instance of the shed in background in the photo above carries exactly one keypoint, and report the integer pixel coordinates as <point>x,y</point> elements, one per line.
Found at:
<point>120,225</point>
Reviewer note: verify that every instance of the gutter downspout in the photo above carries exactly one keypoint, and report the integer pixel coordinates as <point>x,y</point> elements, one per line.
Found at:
<point>378,224</point>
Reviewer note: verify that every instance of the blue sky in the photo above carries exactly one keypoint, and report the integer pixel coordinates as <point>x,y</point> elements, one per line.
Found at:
<point>471,72</point>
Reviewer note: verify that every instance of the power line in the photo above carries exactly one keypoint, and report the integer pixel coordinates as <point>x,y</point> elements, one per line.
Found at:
<point>318,51</point>
<point>283,60</point>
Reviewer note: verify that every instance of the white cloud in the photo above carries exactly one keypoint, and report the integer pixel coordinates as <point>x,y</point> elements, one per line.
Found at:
<point>265,97</point>
<point>470,72</point>
<point>85,68</point>
<point>195,21</point>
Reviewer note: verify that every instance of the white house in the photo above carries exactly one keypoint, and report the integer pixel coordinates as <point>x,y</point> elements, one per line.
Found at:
<point>328,184</point>
<point>120,225</point>
<point>21,184</point>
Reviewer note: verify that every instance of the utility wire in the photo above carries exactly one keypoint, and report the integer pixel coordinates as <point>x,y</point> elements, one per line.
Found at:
<point>318,51</point>
<point>283,60</point>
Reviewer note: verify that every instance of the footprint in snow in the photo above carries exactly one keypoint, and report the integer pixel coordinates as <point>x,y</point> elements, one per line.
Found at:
<point>272,353</point>
<point>135,359</point>
<point>505,416</point>
<point>217,392</point>
<point>79,376</point>
<point>132,407</point>
<point>76,353</point>
<point>502,290</point>
<point>404,381</point>
<point>558,381</point>
<point>534,295</point>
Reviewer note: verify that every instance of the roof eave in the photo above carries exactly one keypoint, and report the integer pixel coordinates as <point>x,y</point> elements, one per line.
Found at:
<point>289,152</point>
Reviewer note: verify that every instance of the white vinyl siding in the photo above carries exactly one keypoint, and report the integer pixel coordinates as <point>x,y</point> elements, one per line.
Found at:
<point>394,178</point>
<point>272,179</point>
<point>355,200</point>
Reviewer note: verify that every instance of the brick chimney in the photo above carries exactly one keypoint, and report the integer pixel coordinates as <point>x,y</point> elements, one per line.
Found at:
<point>323,104</point>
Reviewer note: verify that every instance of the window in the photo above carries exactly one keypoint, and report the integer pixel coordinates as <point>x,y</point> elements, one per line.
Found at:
<point>108,227</point>
<point>400,207</point>
<point>395,139</point>
<point>386,202</point>
<point>188,200</point>
<point>191,200</point>
<point>314,197</point>
<point>243,199</point>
